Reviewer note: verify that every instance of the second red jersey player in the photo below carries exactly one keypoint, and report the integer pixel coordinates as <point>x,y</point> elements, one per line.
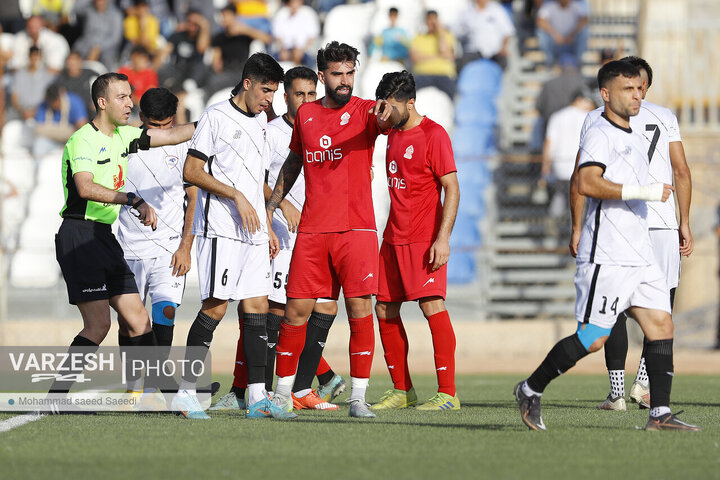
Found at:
<point>333,141</point>
<point>415,249</point>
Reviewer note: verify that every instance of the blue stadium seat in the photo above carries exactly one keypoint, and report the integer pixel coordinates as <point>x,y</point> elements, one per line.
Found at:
<point>473,141</point>
<point>461,268</point>
<point>466,234</point>
<point>476,112</point>
<point>480,77</point>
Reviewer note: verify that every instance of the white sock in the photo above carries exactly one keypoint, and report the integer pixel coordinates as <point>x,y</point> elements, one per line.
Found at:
<point>284,386</point>
<point>642,376</point>
<point>256,392</point>
<point>529,391</point>
<point>617,383</point>
<point>302,392</point>
<point>659,411</point>
<point>189,387</point>
<point>358,386</point>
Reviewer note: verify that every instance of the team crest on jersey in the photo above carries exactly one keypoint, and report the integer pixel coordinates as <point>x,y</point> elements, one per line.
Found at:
<point>393,167</point>
<point>119,179</point>
<point>345,118</point>
<point>409,152</point>
<point>237,135</point>
<point>325,141</point>
<point>171,161</point>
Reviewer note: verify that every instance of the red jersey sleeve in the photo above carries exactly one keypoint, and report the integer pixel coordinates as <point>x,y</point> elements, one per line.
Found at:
<point>440,155</point>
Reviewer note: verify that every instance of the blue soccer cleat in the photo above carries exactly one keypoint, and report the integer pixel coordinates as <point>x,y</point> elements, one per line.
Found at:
<point>265,408</point>
<point>187,405</point>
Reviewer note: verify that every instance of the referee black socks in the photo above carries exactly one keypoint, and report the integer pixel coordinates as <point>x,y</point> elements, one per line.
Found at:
<point>317,332</point>
<point>255,344</point>
<point>79,344</point>
<point>561,358</point>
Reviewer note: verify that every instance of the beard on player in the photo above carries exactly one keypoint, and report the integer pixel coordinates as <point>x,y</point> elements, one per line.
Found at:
<point>340,99</point>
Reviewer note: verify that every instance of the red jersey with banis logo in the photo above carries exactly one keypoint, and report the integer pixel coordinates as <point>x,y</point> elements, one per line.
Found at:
<point>415,161</point>
<point>336,146</point>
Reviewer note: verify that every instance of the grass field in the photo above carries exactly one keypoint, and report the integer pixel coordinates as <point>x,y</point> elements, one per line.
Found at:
<point>485,439</point>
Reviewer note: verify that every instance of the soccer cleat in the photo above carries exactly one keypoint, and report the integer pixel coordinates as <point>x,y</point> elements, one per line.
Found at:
<point>529,405</point>
<point>610,403</point>
<point>395,398</point>
<point>187,405</point>
<point>313,402</point>
<point>441,401</point>
<point>265,408</point>
<point>360,409</point>
<point>229,401</point>
<point>669,421</point>
<point>282,401</point>
<point>640,394</point>
<point>331,390</point>
<point>152,400</point>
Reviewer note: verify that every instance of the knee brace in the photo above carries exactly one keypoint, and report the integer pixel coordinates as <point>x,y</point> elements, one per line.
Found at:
<point>161,313</point>
<point>590,333</point>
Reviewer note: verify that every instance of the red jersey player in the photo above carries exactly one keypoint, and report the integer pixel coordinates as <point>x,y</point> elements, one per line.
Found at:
<point>416,247</point>
<point>336,246</point>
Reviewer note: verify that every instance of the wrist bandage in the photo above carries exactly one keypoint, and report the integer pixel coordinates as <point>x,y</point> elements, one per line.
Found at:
<point>649,193</point>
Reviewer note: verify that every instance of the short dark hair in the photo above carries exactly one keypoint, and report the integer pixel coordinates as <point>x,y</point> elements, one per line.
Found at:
<point>158,103</point>
<point>615,69</point>
<point>302,72</point>
<point>640,63</point>
<point>140,49</point>
<point>336,52</point>
<point>33,49</point>
<point>397,85</point>
<point>260,67</point>
<point>430,12</point>
<point>393,10</point>
<point>52,93</point>
<point>229,8</point>
<point>100,85</point>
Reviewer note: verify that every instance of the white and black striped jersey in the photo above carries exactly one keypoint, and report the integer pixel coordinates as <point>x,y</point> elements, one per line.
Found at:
<point>156,175</point>
<point>279,134</point>
<point>234,146</point>
<point>658,127</point>
<point>615,232</point>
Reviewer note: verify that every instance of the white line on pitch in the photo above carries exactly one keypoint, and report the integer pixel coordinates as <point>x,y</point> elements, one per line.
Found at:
<point>18,421</point>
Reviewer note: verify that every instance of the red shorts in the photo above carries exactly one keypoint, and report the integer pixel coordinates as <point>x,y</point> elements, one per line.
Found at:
<point>323,262</point>
<point>406,273</point>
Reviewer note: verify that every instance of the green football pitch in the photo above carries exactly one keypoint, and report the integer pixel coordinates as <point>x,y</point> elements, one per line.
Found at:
<point>485,439</point>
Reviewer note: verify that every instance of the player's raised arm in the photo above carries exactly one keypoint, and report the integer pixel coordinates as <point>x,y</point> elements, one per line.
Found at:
<point>286,179</point>
<point>440,249</point>
<point>195,174</point>
<point>577,205</point>
<point>683,187</point>
<point>171,136</point>
<point>387,115</point>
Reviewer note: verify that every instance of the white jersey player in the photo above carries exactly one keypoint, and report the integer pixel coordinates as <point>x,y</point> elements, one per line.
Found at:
<point>616,268</point>
<point>159,258</point>
<point>227,159</point>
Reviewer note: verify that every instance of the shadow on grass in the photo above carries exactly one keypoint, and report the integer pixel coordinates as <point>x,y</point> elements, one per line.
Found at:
<point>408,423</point>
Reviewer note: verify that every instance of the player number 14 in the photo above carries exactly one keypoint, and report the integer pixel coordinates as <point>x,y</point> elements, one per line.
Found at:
<point>613,307</point>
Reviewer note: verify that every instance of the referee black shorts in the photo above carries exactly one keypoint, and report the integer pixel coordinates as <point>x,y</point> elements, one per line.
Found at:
<point>92,261</point>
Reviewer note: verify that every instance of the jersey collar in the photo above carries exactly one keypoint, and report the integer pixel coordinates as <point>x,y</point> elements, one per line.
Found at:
<point>626,130</point>
<point>247,114</point>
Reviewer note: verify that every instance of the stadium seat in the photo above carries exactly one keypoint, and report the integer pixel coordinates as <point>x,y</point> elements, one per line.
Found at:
<point>16,138</point>
<point>37,233</point>
<point>19,170</point>
<point>466,234</point>
<point>437,105</point>
<point>473,174</point>
<point>34,269</point>
<point>461,268</point>
<point>480,78</point>
<point>476,111</point>
<point>349,23</point>
<point>219,96</point>
<point>372,73</point>
<point>473,141</point>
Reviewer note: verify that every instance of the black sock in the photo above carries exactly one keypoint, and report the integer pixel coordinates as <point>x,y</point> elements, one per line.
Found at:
<point>616,346</point>
<point>318,328</point>
<point>131,377</point>
<point>163,334</point>
<point>561,358</point>
<point>200,335</point>
<point>239,392</point>
<point>324,378</point>
<point>78,345</point>
<point>659,363</point>
<point>255,345</point>
<point>273,332</point>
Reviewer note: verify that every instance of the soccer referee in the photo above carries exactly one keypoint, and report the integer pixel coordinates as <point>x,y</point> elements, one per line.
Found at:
<point>94,166</point>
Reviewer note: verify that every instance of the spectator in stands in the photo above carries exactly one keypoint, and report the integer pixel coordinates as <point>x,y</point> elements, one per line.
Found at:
<point>29,84</point>
<point>53,46</point>
<point>102,34</point>
<point>56,119</point>
<point>433,56</point>
<point>11,17</point>
<point>140,73</point>
<point>159,9</point>
<point>562,29</point>
<point>485,30</point>
<point>76,79</point>
<point>141,26</point>
<point>231,49</point>
<point>184,52</point>
<point>254,13</point>
<point>393,41</point>
<point>53,12</point>
<point>555,94</point>
<point>562,137</point>
<point>295,29</point>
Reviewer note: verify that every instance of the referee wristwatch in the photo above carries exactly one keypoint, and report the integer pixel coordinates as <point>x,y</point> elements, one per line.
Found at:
<point>131,198</point>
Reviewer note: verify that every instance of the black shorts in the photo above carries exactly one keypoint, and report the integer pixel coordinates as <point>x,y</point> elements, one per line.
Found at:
<point>92,261</point>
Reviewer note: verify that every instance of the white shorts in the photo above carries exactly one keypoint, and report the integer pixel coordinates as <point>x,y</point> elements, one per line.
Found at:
<point>229,269</point>
<point>280,269</point>
<point>154,276</point>
<point>666,245</point>
<point>604,291</point>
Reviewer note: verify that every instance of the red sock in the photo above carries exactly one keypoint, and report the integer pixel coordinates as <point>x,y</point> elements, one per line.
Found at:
<point>395,344</point>
<point>289,347</point>
<point>362,346</point>
<point>443,338</point>
<point>323,367</point>
<point>240,373</point>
